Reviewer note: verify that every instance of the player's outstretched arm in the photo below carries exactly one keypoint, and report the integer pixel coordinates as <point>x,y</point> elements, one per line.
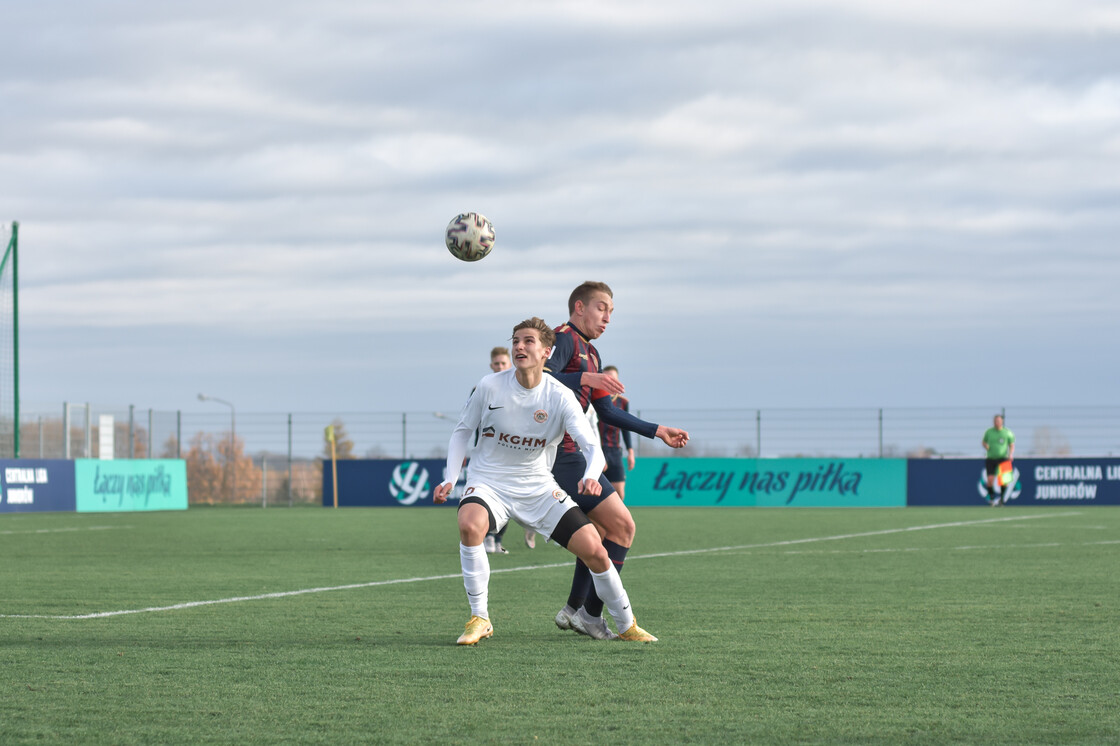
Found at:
<point>611,414</point>
<point>674,437</point>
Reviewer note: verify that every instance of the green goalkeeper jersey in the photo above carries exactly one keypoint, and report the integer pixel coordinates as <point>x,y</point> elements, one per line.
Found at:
<point>999,442</point>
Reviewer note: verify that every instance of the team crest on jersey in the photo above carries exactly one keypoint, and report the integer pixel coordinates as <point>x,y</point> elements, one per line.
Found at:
<point>488,432</point>
<point>540,416</point>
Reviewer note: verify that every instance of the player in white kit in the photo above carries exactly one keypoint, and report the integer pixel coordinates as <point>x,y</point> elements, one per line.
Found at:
<point>521,415</point>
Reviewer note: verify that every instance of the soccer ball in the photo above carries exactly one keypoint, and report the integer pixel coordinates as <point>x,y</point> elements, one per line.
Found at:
<point>470,236</point>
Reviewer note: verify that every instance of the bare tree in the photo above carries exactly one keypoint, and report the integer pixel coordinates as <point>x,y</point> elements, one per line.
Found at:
<point>1046,441</point>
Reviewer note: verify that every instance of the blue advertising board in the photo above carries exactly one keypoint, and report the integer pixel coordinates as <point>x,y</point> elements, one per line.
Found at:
<point>36,485</point>
<point>1071,481</point>
<point>772,482</point>
<point>385,482</point>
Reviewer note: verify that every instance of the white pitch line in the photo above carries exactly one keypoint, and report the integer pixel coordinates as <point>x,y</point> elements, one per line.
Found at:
<point>376,583</point>
<point>235,599</point>
<point>884,532</point>
<point>1048,545</point>
<point>266,596</point>
<point>61,530</point>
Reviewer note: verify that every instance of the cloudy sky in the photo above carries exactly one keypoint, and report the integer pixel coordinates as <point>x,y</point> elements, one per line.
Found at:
<point>797,203</point>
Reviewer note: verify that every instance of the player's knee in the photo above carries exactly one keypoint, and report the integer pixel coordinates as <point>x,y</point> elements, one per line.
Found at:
<point>596,558</point>
<point>614,521</point>
<point>473,525</point>
<point>471,535</point>
<point>622,530</point>
<point>586,545</point>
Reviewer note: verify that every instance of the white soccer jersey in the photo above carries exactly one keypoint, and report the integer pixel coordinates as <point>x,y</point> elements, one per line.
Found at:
<point>518,427</point>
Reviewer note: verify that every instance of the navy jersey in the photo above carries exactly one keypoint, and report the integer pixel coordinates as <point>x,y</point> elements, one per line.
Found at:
<point>573,353</point>
<point>572,356</point>
<point>612,436</point>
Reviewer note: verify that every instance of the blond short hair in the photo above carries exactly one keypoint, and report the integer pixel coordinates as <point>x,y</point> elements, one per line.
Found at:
<point>544,331</point>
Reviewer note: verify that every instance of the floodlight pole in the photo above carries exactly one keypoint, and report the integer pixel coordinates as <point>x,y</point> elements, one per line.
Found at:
<point>232,439</point>
<point>15,332</point>
<point>12,250</point>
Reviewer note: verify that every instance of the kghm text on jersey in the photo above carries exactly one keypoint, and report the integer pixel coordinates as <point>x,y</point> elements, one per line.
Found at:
<point>527,441</point>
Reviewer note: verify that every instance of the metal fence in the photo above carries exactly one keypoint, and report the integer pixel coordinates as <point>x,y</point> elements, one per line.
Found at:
<point>835,433</point>
<point>276,458</point>
<point>890,433</point>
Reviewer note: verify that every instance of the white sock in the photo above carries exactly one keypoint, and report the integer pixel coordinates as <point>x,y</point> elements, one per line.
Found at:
<point>476,578</point>
<point>608,586</point>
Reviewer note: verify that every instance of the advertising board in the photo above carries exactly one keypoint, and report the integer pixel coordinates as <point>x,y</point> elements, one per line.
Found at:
<point>768,482</point>
<point>1072,481</point>
<point>36,485</point>
<point>130,485</point>
<point>385,482</point>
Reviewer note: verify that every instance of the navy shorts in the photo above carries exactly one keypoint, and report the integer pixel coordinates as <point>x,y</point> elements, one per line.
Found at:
<point>616,470</point>
<point>568,470</point>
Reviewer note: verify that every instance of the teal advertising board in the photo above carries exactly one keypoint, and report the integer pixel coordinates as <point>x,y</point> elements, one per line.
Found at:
<point>739,482</point>
<point>129,485</point>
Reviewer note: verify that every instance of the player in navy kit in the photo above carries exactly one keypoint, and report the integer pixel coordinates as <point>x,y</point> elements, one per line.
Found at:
<point>576,363</point>
<point>617,448</point>
<point>521,415</point>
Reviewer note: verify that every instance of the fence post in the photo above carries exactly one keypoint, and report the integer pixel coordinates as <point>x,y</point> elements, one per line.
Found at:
<point>880,432</point>
<point>87,448</point>
<point>178,433</point>
<point>150,420</point>
<point>289,459</point>
<point>66,430</point>
<point>758,433</point>
<point>404,434</point>
<point>637,441</point>
<point>131,431</point>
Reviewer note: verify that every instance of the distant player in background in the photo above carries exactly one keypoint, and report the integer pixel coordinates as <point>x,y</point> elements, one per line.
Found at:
<point>499,359</point>
<point>576,363</point>
<point>617,449</point>
<point>522,415</point>
<point>999,444</point>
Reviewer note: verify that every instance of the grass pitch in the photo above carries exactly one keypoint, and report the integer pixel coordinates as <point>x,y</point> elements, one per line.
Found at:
<point>310,625</point>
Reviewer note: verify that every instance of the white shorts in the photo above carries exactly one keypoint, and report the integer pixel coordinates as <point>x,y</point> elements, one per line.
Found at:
<point>541,513</point>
